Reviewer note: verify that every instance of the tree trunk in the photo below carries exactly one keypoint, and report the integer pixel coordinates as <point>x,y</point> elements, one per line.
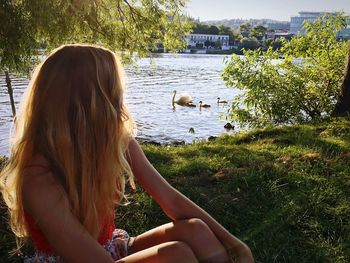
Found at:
<point>10,92</point>
<point>342,108</point>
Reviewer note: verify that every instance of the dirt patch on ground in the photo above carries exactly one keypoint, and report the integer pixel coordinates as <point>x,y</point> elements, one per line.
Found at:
<point>228,172</point>
<point>310,157</point>
<point>345,156</point>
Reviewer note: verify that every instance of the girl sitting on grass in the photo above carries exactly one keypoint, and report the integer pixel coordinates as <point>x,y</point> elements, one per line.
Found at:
<point>72,149</point>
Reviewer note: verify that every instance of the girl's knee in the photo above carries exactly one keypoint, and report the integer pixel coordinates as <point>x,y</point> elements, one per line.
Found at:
<point>196,226</point>
<point>177,251</point>
<point>197,223</point>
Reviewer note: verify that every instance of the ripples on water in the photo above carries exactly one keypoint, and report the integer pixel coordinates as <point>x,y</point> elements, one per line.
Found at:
<point>150,86</point>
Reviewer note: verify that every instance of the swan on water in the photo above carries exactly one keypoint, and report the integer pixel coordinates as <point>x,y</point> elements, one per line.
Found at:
<point>183,100</point>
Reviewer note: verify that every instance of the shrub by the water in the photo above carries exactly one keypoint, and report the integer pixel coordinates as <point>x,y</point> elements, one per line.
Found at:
<point>302,86</point>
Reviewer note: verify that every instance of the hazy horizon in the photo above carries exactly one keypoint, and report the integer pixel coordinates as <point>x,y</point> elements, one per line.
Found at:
<point>281,10</point>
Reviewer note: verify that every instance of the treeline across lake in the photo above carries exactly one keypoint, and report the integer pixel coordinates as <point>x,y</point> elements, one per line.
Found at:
<point>246,37</point>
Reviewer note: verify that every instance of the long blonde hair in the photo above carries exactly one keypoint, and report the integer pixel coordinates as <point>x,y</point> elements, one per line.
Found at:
<point>74,115</point>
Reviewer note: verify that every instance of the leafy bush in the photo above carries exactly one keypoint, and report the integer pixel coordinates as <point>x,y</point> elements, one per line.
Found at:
<point>250,43</point>
<point>301,86</point>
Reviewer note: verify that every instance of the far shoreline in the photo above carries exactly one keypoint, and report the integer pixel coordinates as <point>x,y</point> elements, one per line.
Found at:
<point>203,52</point>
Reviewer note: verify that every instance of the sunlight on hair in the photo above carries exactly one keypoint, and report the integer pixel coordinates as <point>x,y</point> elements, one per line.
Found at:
<point>73,114</point>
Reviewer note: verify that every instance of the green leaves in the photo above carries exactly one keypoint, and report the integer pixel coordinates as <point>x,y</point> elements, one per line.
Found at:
<point>127,26</point>
<point>15,38</point>
<point>301,86</point>
<point>258,32</point>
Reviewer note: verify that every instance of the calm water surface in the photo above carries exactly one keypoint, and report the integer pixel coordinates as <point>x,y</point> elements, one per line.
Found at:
<point>150,86</point>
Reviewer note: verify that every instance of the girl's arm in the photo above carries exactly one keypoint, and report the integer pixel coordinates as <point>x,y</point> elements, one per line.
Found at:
<point>48,206</point>
<point>176,205</point>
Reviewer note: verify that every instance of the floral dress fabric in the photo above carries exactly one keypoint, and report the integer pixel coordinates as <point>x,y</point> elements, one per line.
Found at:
<point>117,247</point>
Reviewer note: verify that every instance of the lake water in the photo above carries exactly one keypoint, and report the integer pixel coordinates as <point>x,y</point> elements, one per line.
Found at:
<point>150,86</point>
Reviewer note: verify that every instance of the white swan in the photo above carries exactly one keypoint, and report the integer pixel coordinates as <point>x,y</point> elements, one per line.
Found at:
<point>184,100</point>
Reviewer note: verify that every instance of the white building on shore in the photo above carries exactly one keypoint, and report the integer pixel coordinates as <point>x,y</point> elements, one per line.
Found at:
<point>203,40</point>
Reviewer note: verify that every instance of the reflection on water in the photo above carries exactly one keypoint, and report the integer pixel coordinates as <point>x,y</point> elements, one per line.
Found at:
<point>150,86</point>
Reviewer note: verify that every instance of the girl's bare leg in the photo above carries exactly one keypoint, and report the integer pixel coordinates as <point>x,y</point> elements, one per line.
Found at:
<point>169,252</point>
<point>193,232</point>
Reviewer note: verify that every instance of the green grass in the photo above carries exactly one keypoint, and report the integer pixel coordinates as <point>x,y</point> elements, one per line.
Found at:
<point>284,191</point>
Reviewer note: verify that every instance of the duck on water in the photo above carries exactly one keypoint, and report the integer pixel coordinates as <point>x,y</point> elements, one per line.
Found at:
<point>201,105</point>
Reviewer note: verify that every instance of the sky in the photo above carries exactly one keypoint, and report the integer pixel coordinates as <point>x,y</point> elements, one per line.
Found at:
<point>272,9</point>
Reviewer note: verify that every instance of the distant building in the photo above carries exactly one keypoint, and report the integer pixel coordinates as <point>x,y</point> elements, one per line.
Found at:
<point>296,22</point>
<point>196,40</point>
<point>279,26</point>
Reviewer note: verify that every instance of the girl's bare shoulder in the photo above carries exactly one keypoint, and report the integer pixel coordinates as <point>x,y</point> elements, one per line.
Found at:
<point>40,190</point>
<point>38,174</point>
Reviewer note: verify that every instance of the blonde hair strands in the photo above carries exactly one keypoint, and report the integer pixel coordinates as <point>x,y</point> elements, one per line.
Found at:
<point>73,114</point>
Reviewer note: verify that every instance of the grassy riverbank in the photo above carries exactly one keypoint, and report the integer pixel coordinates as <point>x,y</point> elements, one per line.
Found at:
<point>284,191</point>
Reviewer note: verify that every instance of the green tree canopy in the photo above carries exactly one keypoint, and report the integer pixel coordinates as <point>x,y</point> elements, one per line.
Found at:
<point>258,32</point>
<point>302,86</point>
<point>200,28</point>
<point>225,30</point>
<point>245,28</point>
<point>249,43</point>
<point>213,30</point>
<point>122,25</point>
<point>17,38</point>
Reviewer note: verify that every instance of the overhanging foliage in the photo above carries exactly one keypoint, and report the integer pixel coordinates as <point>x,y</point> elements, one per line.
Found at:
<point>127,26</point>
